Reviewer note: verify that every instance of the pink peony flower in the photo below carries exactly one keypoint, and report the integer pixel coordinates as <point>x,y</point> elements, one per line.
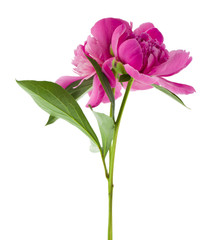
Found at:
<point>97,47</point>
<point>146,58</point>
<point>141,51</point>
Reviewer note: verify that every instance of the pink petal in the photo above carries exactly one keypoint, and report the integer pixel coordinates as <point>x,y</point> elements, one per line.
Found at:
<point>178,60</point>
<point>120,34</point>
<point>137,85</point>
<point>65,81</point>
<point>130,53</point>
<point>118,90</point>
<point>103,30</point>
<point>106,68</point>
<point>139,77</point>
<point>155,34</point>
<point>143,28</point>
<point>83,65</point>
<point>96,94</point>
<point>176,88</point>
<point>150,62</point>
<point>94,49</point>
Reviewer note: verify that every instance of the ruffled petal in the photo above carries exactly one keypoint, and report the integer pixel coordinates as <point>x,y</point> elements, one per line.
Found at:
<point>103,31</point>
<point>155,34</point>
<point>143,28</point>
<point>176,88</point>
<point>65,81</point>
<point>120,34</point>
<point>83,65</point>
<point>130,53</point>
<point>178,60</point>
<point>94,49</point>
<point>106,68</point>
<point>96,94</point>
<point>139,77</point>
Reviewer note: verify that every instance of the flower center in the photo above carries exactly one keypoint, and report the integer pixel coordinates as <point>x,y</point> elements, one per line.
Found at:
<point>153,52</point>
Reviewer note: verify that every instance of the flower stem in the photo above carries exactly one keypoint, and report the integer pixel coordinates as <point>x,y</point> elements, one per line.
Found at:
<point>104,163</point>
<point>112,157</point>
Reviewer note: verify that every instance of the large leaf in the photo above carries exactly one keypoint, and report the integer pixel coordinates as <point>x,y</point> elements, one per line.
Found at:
<point>76,91</point>
<point>55,100</point>
<point>106,126</point>
<point>105,83</point>
<point>169,93</point>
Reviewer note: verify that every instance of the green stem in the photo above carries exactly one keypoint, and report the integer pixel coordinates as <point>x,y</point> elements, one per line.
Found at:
<point>112,157</point>
<point>104,163</point>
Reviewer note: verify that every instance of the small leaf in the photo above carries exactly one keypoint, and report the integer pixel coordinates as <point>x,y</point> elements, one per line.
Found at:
<point>106,126</point>
<point>124,78</point>
<point>55,100</point>
<point>119,68</point>
<point>104,82</point>
<point>169,93</point>
<point>76,91</point>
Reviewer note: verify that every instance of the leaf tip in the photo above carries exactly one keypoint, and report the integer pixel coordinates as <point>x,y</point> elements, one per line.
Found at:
<point>51,120</point>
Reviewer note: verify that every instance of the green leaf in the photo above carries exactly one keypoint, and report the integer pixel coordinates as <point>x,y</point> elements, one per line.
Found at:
<point>83,88</point>
<point>118,67</point>
<point>55,100</point>
<point>169,93</point>
<point>124,78</point>
<point>76,92</point>
<point>106,126</point>
<point>105,83</point>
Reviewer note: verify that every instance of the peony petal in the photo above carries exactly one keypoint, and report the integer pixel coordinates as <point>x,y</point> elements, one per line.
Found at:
<point>120,34</point>
<point>176,88</point>
<point>178,60</point>
<point>155,34</point>
<point>118,90</point>
<point>143,28</point>
<point>137,85</point>
<point>83,65</point>
<point>103,30</point>
<point>139,77</point>
<point>150,62</point>
<point>65,81</point>
<point>106,68</point>
<point>96,94</point>
<point>94,49</point>
<point>130,53</point>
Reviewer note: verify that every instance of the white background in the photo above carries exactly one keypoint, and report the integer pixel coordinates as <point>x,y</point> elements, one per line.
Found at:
<point>51,186</point>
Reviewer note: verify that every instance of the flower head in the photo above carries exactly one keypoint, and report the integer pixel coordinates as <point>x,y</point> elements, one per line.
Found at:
<point>147,60</point>
<point>142,52</point>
